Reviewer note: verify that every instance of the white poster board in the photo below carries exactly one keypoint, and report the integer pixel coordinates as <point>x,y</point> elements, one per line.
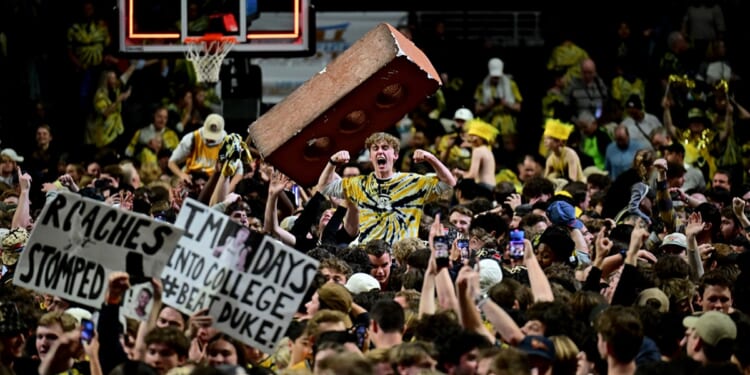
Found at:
<point>251,284</point>
<point>77,242</point>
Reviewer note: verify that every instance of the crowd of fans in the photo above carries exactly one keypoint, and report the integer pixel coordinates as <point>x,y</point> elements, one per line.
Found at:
<point>452,243</point>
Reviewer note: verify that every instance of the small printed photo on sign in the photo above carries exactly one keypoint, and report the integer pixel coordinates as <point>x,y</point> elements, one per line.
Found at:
<point>138,301</point>
<point>234,247</point>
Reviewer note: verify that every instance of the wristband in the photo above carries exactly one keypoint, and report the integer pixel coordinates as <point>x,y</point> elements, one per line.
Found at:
<point>331,162</point>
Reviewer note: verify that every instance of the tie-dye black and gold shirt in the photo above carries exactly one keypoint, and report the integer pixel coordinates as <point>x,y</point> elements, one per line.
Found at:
<point>389,209</point>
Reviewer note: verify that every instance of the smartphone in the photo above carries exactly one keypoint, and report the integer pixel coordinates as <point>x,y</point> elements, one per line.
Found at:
<point>134,268</point>
<point>463,246</point>
<point>442,251</point>
<point>516,244</point>
<point>295,192</point>
<point>450,235</point>
<point>361,334</point>
<point>88,330</point>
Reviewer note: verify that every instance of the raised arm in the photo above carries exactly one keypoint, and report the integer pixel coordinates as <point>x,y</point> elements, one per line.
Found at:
<point>666,103</point>
<point>351,219</point>
<point>467,287</point>
<point>695,225</point>
<point>540,286</point>
<point>271,220</point>
<point>664,206</point>
<point>22,216</point>
<point>108,327</point>
<point>728,129</point>
<point>427,295</point>
<point>329,172</point>
<point>446,293</point>
<point>145,327</point>
<point>221,189</point>
<point>738,207</point>
<point>443,173</point>
<point>501,321</point>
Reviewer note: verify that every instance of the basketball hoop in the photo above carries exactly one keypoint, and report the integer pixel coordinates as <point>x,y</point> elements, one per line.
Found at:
<point>206,54</point>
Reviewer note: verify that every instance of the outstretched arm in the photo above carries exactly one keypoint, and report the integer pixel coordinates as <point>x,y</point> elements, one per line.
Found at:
<point>443,173</point>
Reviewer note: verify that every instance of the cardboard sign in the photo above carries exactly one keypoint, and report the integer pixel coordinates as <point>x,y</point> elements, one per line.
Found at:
<point>77,242</point>
<point>251,284</point>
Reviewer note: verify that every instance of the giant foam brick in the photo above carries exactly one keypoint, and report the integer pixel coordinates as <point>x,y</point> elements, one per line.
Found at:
<point>366,89</point>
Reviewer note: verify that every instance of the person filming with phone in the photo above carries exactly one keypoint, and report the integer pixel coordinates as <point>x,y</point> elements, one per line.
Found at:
<point>62,344</point>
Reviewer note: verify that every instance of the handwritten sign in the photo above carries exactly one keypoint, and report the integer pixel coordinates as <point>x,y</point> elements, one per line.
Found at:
<point>77,242</point>
<point>251,284</point>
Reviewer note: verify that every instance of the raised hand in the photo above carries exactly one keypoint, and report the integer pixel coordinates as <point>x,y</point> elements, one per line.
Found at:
<point>738,207</point>
<point>278,182</point>
<point>694,225</point>
<point>24,180</point>
<point>119,283</point>
<point>67,181</point>
<point>421,156</point>
<point>341,157</point>
<point>637,237</point>
<point>231,198</point>
<point>514,200</point>
<point>603,246</point>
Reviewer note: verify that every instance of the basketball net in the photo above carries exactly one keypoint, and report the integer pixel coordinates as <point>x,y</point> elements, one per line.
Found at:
<point>206,54</point>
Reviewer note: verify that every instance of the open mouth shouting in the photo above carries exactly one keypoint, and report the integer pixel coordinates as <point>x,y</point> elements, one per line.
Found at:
<point>381,160</point>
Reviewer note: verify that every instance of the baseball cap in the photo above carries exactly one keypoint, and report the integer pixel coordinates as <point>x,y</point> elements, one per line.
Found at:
<point>563,213</point>
<point>677,239</point>
<point>495,67</point>
<point>12,154</point>
<point>490,274</point>
<point>654,294</point>
<point>213,128</point>
<point>79,313</point>
<point>463,114</point>
<point>361,282</point>
<point>538,346</point>
<point>634,101</point>
<point>712,327</point>
<point>12,245</point>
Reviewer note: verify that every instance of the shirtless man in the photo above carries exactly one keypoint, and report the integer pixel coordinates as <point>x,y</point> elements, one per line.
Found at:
<point>480,137</point>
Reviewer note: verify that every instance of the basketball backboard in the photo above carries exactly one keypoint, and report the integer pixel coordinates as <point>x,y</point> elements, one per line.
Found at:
<point>263,28</point>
